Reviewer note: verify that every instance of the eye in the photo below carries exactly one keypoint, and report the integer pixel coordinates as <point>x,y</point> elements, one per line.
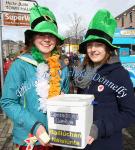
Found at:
<point>52,36</point>
<point>99,44</point>
<point>40,34</point>
<point>89,44</point>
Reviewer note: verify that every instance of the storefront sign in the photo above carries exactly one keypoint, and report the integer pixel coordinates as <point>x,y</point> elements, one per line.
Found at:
<point>124,33</point>
<point>15,19</point>
<point>128,32</point>
<point>17,6</point>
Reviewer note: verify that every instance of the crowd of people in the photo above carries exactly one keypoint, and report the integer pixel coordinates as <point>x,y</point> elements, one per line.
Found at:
<point>41,73</point>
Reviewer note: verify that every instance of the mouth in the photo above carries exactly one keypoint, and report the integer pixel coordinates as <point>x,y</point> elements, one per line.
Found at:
<point>95,55</point>
<point>46,45</point>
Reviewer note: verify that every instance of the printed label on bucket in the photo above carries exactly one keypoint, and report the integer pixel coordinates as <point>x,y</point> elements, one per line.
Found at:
<point>65,137</point>
<point>64,118</point>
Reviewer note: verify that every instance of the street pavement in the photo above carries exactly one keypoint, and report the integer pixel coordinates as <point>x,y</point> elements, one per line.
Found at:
<point>7,144</point>
<point>129,138</point>
<point>5,134</point>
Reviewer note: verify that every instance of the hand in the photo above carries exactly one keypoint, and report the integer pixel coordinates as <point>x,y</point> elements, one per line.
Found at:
<point>62,93</point>
<point>90,140</point>
<point>39,132</point>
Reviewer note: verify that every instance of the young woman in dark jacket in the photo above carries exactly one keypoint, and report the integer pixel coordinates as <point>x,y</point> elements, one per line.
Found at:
<point>114,104</point>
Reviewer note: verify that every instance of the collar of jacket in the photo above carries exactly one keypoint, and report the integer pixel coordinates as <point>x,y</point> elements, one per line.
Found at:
<point>108,68</point>
<point>29,60</point>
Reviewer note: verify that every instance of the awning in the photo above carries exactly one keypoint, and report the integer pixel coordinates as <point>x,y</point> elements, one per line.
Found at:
<point>128,59</point>
<point>125,40</point>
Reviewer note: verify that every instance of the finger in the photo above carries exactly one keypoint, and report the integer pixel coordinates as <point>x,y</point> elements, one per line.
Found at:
<point>62,93</point>
<point>41,142</point>
<point>91,141</point>
<point>88,138</point>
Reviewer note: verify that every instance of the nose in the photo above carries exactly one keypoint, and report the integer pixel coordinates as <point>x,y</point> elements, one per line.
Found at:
<point>93,48</point>
<point>46,37</point>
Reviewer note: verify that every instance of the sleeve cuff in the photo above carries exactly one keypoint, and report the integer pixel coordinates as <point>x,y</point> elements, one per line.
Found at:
<point>35,127</point>
<point>94,131</point>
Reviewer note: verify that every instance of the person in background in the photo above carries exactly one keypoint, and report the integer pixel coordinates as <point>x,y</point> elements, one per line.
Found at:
<point>65,84</point>
<point>32,79</point>
<point>109,82</point>
<point>7,64</point>
<point>81,58</point>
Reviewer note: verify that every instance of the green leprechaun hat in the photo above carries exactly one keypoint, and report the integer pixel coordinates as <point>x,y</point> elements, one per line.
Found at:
<point>42,20</point>
<point>101,29</point>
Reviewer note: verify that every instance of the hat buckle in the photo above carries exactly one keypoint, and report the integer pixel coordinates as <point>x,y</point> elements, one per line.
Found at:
<point>48,18</point>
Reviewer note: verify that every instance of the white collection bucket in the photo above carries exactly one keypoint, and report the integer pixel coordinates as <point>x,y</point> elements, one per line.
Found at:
<point>70,117</point>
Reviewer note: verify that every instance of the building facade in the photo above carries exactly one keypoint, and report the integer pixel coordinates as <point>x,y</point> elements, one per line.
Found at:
<point>71,45</point>
<point>127,18</point>
<point>11,48</point>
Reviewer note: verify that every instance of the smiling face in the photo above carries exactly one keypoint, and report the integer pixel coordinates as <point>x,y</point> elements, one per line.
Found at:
<point>97,52</point>
<point>45,42</point>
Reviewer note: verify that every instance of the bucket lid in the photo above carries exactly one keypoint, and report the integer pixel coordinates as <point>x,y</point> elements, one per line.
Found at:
<point>74,100</point>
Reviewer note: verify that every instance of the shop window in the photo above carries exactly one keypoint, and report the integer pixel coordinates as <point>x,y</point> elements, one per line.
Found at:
<point>131,17</point>
<point>123,21</point>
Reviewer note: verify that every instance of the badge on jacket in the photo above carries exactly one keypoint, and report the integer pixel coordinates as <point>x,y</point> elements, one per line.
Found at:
<point>100,88</point>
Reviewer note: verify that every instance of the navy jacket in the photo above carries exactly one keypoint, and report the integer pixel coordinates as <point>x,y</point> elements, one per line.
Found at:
<point>114,105</point>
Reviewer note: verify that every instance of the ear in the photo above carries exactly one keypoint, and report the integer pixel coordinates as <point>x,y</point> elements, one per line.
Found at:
<point>116,52</point>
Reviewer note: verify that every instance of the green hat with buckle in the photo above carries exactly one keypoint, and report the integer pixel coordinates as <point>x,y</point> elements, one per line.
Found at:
<point>42,20</point>
<point>101,29</point>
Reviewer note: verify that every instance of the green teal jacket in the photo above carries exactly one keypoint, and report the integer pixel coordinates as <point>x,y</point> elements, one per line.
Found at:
<point>20,100</point>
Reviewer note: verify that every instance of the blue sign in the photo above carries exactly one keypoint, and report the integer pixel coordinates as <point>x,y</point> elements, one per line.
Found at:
<point>124,52</point>
<point>124,36</point>
<point>131,69</point>
<point>125,32</point>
